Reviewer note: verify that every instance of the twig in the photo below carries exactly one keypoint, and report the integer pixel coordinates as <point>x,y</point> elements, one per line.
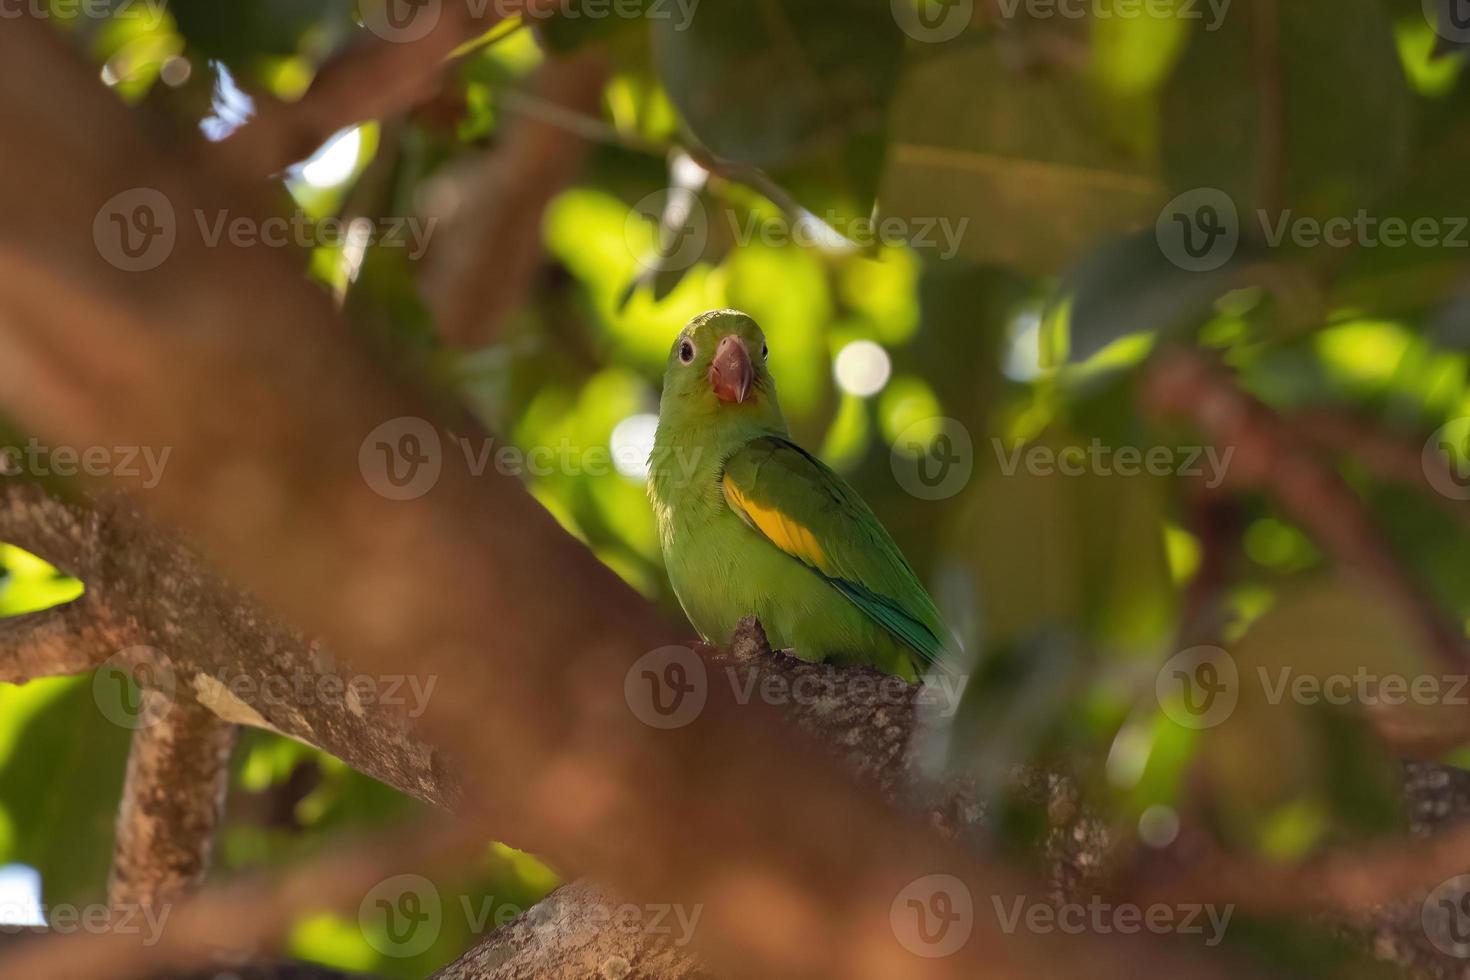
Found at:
<point>1216,522</point>
<point>71,638</point>
<point>1384,454</point>
<point>230,924</point>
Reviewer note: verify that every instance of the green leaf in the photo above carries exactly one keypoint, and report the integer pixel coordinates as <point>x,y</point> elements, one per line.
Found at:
<point>1094,543</point>
<point>241,33</point>
<point>1295,764</point>
<point>61,772</point>
<point>575,23</point>
<point>1023,157</point>
<point>1129,286</point>
<point>1307,97</point>
<point>799,88</point>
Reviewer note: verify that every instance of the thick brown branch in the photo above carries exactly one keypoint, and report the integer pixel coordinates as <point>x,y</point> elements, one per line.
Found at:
<point>218,646</point>
<point>572,933</point>
<point>67,534</point>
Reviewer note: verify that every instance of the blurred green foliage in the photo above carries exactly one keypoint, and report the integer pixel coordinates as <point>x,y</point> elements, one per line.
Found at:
<point>1049,146</point>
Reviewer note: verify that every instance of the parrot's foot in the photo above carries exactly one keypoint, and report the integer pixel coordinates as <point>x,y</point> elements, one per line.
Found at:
<point>748,643</point>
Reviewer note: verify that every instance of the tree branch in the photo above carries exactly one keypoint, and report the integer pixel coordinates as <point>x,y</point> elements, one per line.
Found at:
<point>570,934</point>
<point>1386,455</point>
<point>68,639</point>
<point>67,534</point>
<point>233,924</point>
<point>373,79</point>
<point>1269,455</point>
<point>482,263</point>
<point>173,797</point>
<point>218,646</point>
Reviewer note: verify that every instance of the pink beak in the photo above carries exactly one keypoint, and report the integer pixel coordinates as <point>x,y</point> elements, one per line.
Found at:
<point>731,373</point>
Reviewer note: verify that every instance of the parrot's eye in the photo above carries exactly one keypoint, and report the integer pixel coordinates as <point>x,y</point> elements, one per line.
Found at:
<point>765,351</point>
<point>686,351</point>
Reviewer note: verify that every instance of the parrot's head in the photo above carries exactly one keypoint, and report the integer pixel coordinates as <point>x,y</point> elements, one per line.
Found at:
<point>717,375</point>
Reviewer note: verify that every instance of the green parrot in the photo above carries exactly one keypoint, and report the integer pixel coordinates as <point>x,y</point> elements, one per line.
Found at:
<point>752,524</point>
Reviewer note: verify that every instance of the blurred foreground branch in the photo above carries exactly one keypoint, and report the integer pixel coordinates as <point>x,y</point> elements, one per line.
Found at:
<point>483,263</point>
<point>376,78</point>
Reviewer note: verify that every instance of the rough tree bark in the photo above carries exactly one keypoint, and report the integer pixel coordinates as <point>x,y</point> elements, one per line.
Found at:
<point>173,797</point>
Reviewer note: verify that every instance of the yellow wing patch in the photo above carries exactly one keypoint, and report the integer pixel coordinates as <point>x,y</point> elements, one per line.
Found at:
<point>782,531</point>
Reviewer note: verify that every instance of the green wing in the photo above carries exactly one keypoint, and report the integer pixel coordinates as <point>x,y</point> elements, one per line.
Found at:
<point>810,512</point>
